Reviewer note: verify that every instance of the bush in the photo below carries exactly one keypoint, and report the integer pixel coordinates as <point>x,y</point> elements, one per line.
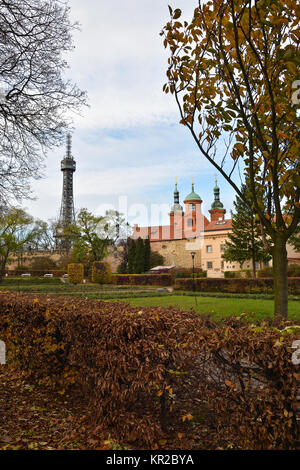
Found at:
<point>75,273</point>
<point>294,270</point>
<point>142,279</point>
<point>242,285</point>
<point>233,274</point>
<point>16,281</point>
<point>42,263</point>
<point>266,272</point>
<point>101,273</point>
<point>143,369</point>
<point>188,272</point>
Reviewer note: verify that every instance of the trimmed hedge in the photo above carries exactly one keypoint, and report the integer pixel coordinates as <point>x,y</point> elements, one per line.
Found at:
<point>75,273</point>
<point>142,279</point>
<point>101,272</point>
<point>144,369</point>
<point>242,285</point>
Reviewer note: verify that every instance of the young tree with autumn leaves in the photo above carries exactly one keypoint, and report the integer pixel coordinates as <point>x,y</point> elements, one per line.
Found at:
<point>233,70</point>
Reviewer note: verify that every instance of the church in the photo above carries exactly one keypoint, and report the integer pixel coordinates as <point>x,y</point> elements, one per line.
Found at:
<point>190,231</point>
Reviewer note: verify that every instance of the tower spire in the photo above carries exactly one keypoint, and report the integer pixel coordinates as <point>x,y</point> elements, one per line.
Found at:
<point>176,206</point>
<point>69,146</point>
<point>67,212</point>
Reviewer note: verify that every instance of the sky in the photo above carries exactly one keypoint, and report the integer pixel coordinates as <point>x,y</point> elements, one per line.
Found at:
<point>128,145</point>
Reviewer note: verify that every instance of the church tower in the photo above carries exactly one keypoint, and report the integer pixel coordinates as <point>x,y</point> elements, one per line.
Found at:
<point>217,211</point>
<point>193,214</point>
<point>176,217</point>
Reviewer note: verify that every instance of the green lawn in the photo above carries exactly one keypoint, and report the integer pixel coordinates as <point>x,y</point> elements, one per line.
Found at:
<point>216,305</point>
<point>218,308</point>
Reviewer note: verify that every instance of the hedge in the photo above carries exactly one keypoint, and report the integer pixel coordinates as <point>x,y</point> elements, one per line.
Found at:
<point>242,285</point>
<point>143,370</point>
<point>101,272</point>
<point>143,279</point>
<point>75,273</point>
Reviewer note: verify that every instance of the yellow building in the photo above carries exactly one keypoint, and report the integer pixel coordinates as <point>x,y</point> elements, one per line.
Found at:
<point>190,232</point>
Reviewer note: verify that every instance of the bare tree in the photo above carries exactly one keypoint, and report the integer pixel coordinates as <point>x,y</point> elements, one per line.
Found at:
<point>35,95</point>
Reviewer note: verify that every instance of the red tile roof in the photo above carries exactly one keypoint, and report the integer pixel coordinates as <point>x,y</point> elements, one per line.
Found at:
<point>222,225</point>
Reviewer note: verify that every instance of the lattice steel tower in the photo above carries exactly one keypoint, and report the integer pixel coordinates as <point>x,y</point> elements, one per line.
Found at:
<point>67,212</point>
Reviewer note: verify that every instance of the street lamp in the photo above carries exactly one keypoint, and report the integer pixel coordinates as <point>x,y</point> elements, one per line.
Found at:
<point>193,258</point>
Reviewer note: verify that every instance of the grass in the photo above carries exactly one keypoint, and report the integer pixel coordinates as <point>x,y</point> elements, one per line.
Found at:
<point>217,305</point>
<point>218,308</point>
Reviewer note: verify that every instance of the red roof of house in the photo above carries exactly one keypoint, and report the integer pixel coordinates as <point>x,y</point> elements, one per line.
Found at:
<point>222,225</point>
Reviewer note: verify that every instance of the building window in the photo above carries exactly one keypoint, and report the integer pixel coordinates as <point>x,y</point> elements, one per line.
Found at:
<point>208,249</point>
<point>222,248</point>
<point>209,265</point>
<point>222,264</point>
<point>190,222</point>
<point>233,267</point>
<point>192,207</point>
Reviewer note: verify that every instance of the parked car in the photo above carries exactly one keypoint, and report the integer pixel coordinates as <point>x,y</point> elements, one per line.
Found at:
<point>48,275</point>
<point>26,275</point>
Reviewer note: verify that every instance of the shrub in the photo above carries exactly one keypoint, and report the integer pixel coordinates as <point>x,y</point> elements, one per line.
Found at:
<point>142,369</point>
<point>75,273</point>
<point>101,272</point>
<point>188,272</point>
<point>242,285</point>
<point>266,272</point>
<point>233,274</point>
<point>294,270</point>
<point>42,263</point>
<point>142,279</point>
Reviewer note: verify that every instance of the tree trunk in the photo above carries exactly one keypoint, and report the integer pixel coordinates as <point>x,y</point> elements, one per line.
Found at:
<point>280,277</point>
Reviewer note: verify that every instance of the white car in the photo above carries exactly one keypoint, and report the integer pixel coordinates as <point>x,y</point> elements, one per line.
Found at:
<point>48,275</point>
<point>26,275</point>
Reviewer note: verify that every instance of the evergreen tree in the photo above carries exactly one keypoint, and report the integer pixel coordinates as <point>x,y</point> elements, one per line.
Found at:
<point>131,257</point>
<point>139,256</point>
<point>122,268</point>
<point>245,242</point>
<point>147,252</point>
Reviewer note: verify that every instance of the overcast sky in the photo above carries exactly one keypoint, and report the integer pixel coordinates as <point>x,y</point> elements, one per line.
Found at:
<point>129,143</point>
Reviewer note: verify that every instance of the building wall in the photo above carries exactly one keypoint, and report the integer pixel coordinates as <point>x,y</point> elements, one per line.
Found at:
<point>178,253</point>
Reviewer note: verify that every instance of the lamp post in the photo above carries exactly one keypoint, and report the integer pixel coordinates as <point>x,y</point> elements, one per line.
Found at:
<point>193,258</point>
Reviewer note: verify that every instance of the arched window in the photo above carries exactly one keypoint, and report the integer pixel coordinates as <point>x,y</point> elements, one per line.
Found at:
<point>190,222</point>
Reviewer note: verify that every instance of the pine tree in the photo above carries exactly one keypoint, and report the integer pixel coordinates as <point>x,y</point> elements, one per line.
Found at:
<point>147,252</point>
<point>139,256</point>
<point>131,257</point>
<point>245,242</point>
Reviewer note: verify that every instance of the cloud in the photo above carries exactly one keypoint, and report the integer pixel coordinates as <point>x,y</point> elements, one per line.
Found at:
<point>120,59</point>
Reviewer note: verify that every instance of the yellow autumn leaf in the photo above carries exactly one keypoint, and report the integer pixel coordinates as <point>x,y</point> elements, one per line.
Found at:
<point>228,383</point>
